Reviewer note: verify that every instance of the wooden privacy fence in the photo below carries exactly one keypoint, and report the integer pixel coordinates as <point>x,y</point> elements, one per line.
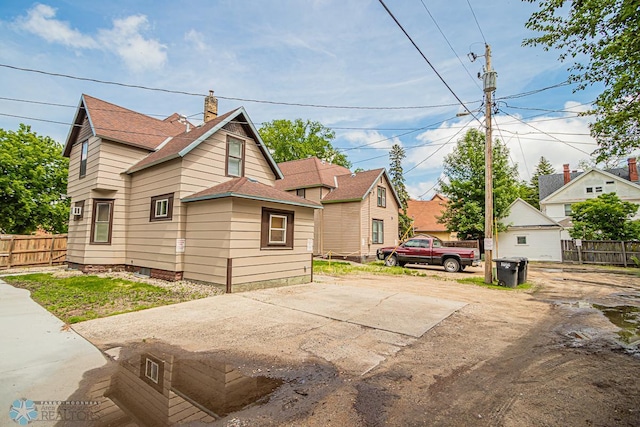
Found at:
<point>22,251</point>
<point>608,252</point>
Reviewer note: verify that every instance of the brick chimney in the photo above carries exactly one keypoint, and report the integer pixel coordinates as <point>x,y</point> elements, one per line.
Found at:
<point>567,173</point>
<point>633,170</point>
<point>210,107</point>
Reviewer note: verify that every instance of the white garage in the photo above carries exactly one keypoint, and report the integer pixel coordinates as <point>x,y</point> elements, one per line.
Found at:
<point>530,234</point>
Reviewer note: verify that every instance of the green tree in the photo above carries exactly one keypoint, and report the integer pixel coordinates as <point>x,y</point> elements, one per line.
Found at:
<point>33,182</point>
<point>604,218</point>
<point>292,140</point>
<point>464,185</point>
<point>532,192</point>
<point>602,38</point>
<point>396,155</point>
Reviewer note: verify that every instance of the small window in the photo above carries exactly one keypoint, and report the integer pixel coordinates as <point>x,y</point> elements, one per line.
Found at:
<point>598,189</point>
<point>84,154</point>
<point>300,192</point>
<point>161,208</point>
<point>589,190</point>
<point>101,226</point>
<point>521,240</point>
<point>382,197</point>
<point>567,210</point>
<point>377,235</point>
<point>277,229</point>
<point>610,182</point>
<point>235,157</point>
<point>437,244</point>
<point>151,370</point>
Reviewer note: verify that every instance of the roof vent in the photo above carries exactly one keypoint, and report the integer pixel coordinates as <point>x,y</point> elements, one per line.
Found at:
<point>353,174</point>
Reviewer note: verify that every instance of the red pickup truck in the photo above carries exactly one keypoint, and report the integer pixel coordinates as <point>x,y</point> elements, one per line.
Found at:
<point>425,250</point>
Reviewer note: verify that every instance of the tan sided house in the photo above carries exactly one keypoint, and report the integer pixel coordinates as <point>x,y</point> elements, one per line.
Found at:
<point>360,211</point>
<point>171,200</point>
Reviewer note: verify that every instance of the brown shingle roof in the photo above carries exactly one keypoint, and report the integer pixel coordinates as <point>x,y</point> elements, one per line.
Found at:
<point>425,213</point>
<point>354,186</point>
<point>178,143</point>
<point>249,189</point>
<point>311,172</point>
<point>116,123</point>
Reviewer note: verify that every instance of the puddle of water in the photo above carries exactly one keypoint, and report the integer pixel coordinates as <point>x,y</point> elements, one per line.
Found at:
<point>153,386</point>
<point>627,318</point>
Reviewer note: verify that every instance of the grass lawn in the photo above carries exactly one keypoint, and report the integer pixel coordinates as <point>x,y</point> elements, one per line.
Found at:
<point>78,298</point>
<point>378,267</point>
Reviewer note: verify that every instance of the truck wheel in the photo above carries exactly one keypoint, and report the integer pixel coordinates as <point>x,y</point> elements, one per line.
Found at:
<point>451,265</point>
<point>392,261</point>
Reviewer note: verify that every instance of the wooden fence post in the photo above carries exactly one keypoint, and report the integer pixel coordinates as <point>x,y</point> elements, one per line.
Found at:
<point>10,251</point>
<point>624,254</point>
<point>53,241</point>
<point>579,254</point>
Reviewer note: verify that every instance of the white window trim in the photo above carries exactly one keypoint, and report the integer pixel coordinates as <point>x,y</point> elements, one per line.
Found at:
<point>526,243</point>
<point>159,203</point>
<point>149,370</point>
<point>284,229</point>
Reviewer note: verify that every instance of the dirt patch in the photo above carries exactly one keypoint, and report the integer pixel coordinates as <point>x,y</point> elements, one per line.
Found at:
<point>545,356</point>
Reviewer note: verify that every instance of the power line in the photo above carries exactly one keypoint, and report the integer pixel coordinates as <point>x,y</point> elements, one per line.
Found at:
<point>475,80</point>
<point>545,133</point>
<point>259,101</point>
<point>477,23</point>
<point>426,59</point>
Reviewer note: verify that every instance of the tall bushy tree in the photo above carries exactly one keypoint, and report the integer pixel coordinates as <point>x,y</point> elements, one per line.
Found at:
<point>604,218</point>
<point>464,185</point>
<point>292,140</point>
<point>602,38</point>
<point>33,182</point>
<point>396,155</point>
<point>532,195</point>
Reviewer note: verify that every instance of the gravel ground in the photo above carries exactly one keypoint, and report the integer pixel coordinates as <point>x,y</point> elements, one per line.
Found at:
<point>182,286</point>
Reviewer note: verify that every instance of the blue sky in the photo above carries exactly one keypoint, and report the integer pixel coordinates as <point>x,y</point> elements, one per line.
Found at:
<point>321,52</point>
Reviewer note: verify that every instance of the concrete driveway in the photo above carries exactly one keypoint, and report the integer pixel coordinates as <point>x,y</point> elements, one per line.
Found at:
<point>354,328</point>
<point>39,360</point>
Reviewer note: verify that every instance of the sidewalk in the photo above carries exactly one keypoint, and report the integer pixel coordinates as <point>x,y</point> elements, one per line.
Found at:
<point>39,360</point>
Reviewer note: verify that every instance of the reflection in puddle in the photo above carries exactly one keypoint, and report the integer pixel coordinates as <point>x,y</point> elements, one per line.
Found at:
<point>159,388</point>
<point>626,317</point>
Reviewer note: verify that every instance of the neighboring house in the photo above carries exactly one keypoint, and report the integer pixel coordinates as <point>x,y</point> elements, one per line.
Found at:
<point>174,201</point>
<point>425,214</point>
<point>559,191</point>
<point>360,211</point>
<point>530,234</point>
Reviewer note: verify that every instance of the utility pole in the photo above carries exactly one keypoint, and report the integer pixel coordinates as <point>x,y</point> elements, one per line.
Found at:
<point>489,79</point>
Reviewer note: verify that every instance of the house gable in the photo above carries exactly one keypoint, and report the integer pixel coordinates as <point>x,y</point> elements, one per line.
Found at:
<point>522,214</point>
<point>357,186</point>
<point>235,121</point>
<point>576,189</point>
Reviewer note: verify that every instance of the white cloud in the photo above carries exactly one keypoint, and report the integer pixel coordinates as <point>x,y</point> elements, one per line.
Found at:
<point>39,21</point>
<point>371,139</point>
<point>124,39</point>
<point>197,39</point>
<point>137,52</point>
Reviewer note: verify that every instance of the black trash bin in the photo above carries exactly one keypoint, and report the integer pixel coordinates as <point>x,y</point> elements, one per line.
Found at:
<point>507,270</point>
<point>522,270</point>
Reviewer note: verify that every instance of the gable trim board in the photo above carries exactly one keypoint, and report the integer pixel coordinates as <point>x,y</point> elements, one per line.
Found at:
<point>583,176</point>
<point>224,120</point>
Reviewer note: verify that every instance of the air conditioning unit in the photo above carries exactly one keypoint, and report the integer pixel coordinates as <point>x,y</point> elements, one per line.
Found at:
<point>76,210</point>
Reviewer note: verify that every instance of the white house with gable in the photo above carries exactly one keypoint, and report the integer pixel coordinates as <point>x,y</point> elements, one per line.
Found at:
<point>530,234</point>
<point>572,187</point>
